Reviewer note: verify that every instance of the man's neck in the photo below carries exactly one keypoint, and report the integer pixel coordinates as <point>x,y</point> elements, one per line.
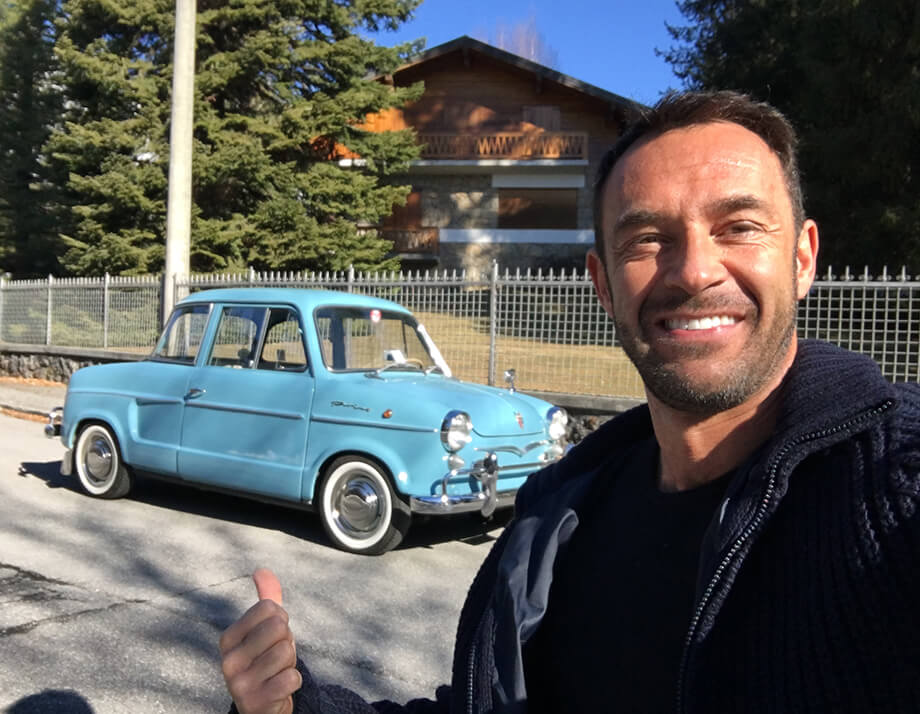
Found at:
<point>696,449</point>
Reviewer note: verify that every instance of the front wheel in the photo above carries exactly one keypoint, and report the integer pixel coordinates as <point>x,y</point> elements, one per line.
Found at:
<point>98,464</point>
<point>359,509</point>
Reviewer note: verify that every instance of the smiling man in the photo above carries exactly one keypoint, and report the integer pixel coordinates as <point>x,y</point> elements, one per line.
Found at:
<point>748,540</point>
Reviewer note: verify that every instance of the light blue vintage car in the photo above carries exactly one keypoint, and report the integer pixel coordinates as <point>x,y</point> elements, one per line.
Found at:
<point>324,400</point>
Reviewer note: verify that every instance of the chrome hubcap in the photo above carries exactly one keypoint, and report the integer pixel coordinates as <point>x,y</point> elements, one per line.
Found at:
<point>98,459</point>
<point>359,507</point>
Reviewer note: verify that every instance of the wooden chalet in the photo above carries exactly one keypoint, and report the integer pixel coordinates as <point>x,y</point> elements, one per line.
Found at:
<point>510,149</point>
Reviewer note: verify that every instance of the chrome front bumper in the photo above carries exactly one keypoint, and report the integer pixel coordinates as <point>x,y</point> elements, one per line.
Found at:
<point>485,501</point>
<point>53,427</point>
<point>443,505</point>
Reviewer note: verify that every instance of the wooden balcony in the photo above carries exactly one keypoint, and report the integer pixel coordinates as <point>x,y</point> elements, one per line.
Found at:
<point>506,145</point>
<point>412,240</point>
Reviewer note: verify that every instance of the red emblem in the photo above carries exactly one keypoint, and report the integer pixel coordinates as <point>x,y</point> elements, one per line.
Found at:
<point>520,419</point>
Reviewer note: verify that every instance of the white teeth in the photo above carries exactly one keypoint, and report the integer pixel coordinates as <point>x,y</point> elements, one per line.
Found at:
<point>702,323</point>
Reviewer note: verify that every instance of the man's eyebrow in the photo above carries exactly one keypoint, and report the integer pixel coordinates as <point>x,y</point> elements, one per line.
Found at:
<point>635,218</point>
<point>745,202</point>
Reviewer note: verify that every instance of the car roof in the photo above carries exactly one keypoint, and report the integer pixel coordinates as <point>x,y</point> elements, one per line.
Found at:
<point>307,299</point>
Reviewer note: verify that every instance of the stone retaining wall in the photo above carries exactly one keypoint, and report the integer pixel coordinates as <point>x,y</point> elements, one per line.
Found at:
<point>54,365</point>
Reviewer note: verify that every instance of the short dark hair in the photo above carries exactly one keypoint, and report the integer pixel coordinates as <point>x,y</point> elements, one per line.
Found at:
<point>678,110</point>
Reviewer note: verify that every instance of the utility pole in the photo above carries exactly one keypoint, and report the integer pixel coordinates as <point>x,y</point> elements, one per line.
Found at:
<point>179,197</point>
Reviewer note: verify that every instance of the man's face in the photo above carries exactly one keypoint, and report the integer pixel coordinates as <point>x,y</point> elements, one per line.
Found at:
<point>703,264</point>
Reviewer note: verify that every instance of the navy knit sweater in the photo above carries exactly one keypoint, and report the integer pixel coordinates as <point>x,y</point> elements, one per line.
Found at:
<point>808,596</point>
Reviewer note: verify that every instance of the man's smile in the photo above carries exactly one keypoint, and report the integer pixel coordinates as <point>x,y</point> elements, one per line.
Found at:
<point>699,323</point>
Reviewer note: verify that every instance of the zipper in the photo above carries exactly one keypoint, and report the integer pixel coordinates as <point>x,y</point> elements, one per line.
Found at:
<point>750,529</point>
<point>469,674</point>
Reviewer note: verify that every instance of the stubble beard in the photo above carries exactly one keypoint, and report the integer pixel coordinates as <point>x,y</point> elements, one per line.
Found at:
<point>759,362</point>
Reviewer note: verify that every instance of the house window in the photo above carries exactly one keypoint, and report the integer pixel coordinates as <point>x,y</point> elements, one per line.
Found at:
<point>544,116</point>
<point>538,208</point>
<point>408,217</point>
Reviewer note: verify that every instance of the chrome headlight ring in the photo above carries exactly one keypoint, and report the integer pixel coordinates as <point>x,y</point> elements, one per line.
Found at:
<point>557,419</point>
<point>456,430</point>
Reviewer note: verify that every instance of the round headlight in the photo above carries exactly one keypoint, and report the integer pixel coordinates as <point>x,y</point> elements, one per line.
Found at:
<point>456,430</point>
<point>558,419</point>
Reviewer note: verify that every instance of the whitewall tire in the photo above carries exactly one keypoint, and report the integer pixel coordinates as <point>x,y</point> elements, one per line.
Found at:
<point>359,509</point>
<point>97,461</point>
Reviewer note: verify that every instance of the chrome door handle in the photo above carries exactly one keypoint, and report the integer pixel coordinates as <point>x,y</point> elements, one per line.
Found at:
<point>194,393</point>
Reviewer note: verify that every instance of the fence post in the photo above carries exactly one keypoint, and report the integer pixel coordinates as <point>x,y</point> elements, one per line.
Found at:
<point>3,279</point>
<point>48,313</point>
<point>351,279</point>
<point>105,312</point>
<point>493,319</point>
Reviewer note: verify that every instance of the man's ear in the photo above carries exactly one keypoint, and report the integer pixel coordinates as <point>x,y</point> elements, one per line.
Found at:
<point>806,257</point>
<point>595,266</point>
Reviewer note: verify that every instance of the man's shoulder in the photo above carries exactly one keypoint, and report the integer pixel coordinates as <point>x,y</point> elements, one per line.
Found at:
<point>589,456</point>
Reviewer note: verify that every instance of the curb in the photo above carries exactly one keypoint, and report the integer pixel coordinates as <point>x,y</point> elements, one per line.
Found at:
<point>23,413</point>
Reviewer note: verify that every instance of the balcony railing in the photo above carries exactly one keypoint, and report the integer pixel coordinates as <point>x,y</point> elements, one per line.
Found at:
<point>412,240</point>
<point>506,145</point>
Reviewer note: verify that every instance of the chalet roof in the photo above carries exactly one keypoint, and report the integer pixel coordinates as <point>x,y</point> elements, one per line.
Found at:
<point>467,44</point>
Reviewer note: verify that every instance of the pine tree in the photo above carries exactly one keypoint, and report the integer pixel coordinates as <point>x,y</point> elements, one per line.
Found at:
<point>846,73</point>
<point>281,91</point>
<point>29,107</point>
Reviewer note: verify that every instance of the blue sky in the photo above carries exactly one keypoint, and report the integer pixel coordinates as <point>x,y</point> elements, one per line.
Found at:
<point>608,43</point>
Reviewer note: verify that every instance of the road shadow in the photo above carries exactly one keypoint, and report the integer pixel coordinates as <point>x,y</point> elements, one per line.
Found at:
<point>50,473</point>
<point>52,701</point>
<point>469,528</point>
<point>426,531</point>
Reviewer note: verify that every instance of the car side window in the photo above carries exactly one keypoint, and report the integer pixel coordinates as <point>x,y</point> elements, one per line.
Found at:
<point>182,337</point>
<point>283,347</point>
<point>236,343</point>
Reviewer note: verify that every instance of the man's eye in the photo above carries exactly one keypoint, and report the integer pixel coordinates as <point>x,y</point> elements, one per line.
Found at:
<point>743,227</point>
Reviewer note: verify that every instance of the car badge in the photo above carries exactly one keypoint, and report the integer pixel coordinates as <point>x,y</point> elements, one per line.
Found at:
<point>520,419</point>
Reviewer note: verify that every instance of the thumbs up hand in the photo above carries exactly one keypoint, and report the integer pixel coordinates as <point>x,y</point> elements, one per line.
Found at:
<point>258,654</point>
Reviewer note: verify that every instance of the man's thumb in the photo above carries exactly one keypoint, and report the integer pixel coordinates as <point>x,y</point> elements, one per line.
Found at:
<point>267,585</point>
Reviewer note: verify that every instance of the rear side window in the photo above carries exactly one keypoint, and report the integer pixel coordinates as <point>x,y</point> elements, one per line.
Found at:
<point>181,339</point>
<point>283,346</point>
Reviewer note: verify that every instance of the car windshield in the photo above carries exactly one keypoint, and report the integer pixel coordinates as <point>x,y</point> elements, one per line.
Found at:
<point>354,338</point>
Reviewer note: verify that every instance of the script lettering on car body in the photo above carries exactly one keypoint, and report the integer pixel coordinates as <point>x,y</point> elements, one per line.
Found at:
<point>338,403</point>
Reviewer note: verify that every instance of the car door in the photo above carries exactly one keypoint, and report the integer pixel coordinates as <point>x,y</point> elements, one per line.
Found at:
<point>158,386</point>
<point>247,408</point>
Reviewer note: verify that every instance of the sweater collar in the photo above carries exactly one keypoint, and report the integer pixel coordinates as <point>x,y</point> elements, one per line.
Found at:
<point>827,385</point>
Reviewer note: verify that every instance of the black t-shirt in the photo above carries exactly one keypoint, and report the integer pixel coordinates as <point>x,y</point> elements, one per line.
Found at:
<point>622,597</point>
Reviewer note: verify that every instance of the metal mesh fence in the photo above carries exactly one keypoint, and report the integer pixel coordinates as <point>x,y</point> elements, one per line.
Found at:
<point>549,327</point>
<point>879,318</point>
<point>24,312</point>
<point>111,313</point>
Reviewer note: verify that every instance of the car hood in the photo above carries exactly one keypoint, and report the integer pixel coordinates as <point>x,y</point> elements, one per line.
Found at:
<point>424,401</point>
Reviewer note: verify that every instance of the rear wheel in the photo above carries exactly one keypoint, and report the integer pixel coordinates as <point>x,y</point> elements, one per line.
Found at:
<point>360,511</point>
<point>98,464</point>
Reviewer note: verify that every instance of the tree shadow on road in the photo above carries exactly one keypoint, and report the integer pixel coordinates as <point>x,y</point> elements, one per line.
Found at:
<point>426,532</point>
<point>188,499</point>
<point>52,701</point>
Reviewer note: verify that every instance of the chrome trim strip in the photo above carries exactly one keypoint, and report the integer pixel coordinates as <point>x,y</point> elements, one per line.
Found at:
<point>140,398</point>
<point>150,401</point>
<point>294,416</point>
<point>516,450</point>
<point>373,425</point>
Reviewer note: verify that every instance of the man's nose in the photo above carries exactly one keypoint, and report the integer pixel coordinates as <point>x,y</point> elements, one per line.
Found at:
<point>696,263</point>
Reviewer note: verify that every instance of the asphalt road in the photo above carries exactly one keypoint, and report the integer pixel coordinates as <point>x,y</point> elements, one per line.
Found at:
<point>117,606</point>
